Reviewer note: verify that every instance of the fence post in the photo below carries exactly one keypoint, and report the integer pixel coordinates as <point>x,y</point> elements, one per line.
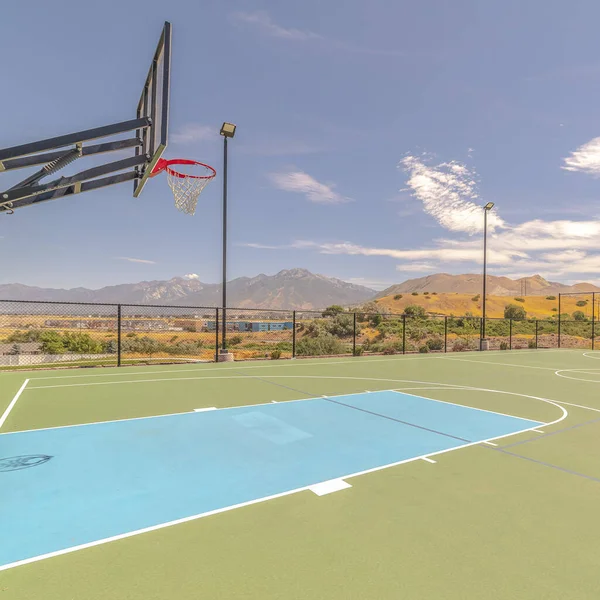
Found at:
<point>217,335</point>
<point>119,335</point>
<point>403,334</point>
<point>593,312</point>
<point>559,320</point>
<point>294,334</point>
<point>354,337</point>
<point>510,334</point>
<point>445,334</point>
<point>536,334</point>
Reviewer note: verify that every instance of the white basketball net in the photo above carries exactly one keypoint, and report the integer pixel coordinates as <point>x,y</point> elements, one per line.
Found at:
<point>187,187</point>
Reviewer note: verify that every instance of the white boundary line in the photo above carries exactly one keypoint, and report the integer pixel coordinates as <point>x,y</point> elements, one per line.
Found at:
<point>303,363</point>
<point>560,372</point>
<point>494,412</point>
<point>488,362</point>
<point>242,504</point>
<point>430,384</point>
<point>429,460</point>
<point>12,403</point>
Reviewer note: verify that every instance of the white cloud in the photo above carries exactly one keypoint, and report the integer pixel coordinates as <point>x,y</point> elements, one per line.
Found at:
<point>194,132</point>
<point>416,267</point>
<point>586,159</point>
<point>191,276</point>
<point>303,183</point>
<point>136,260</point>
<point>263,21</point>
<point>447,191</point>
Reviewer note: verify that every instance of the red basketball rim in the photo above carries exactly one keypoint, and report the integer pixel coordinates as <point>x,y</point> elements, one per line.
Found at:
<point>165,165</point>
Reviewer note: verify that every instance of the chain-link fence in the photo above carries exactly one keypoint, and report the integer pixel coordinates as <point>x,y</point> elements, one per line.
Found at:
<point>37,334</point>
<point>255,333</point>
<point>41,334</point>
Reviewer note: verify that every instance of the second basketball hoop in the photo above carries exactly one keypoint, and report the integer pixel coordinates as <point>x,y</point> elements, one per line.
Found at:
<point>187,179</point>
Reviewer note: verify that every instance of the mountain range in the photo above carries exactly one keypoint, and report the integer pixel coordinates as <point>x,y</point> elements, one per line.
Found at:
<point>289,289</point>
<point>443,283</point>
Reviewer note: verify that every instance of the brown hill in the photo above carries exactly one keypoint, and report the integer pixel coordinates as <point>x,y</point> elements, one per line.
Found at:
<point>540,307</point>
<point>496,286</point>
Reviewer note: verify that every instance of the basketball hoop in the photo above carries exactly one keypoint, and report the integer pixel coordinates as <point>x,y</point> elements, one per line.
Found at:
<point>186,187</point>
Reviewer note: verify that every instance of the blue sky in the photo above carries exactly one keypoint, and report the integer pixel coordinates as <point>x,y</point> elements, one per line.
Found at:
<point>368,136</point>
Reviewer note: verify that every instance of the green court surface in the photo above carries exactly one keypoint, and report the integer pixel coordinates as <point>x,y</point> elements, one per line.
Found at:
<point>512,518</point>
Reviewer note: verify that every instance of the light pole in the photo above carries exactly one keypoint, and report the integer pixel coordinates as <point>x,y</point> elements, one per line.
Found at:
<point>486,210</point>
<point>227,131</point>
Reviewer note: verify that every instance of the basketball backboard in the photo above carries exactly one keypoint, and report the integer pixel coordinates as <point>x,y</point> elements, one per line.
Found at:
<point>154,104</point>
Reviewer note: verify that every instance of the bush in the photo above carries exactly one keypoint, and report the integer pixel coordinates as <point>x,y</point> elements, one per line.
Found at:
<point>531,344</point>
<point>519,299</point>
<point>581,303</point>
<point>435,343</point>
<point>333,310</point>
<point>423,349</point>
<point>341,326</point>
<point>517,313</point>
<point>579,316</point>
<point>319,346</point>
<point>550,297</point>
<point>415,293</point>
<point>426,293</point>
<point>234,340</point>
<point>22,337</point>
<point>276,354</point>
<point>358,351</point>
<point>434,293</point>
<point>503,345</point>
<point>476,298</point>
<point>555,310</point>
<point>388,350</point>
<point>398,297</point>
<point>131,335</point>
<point>415,311</point>
<point>459,346</point>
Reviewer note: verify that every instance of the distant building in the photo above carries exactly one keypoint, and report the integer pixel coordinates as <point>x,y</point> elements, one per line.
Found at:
<point>252,326</point>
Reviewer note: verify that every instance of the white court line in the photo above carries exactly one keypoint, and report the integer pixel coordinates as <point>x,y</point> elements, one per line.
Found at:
<point>538,431</point>
<point>429,460</point>
<point>490,443</point>
<point>205,409</point>
<point>560,372</point>
<point>234,506</point>
<point>494,412</point>
<point>488,362</point>
<point>328,487</point>
<point>12,403</point>
<point>283,364</point>
<point>428,383</point>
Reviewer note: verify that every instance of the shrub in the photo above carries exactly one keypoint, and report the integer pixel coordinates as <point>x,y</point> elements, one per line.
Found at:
<point>555,309</point>
<point>434,293</point>
<point>426,293</point>
<point>398,297</point>
<point>476,298</point>
<point>550,297</point>
<point>358,351</point>
<point>234,340</point>
<point>319,346</point>
<point>423,349</point>
<point>519,299</point>
<point>341,326</point>
<point>512,311</point>
<point>333,310</point>
<point>131,335</point>
<point>415,311</point>
<point>427,297</point>
<point>21,337</point>
<point>388,350</point>
<point>531,344</point>
<point>415,293</point>
<point>276,354</point>
<point>459,346</point>
<point>581,303</point>
<point>435,343</point>
<point>503,345</point>
<point>579,316</point>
